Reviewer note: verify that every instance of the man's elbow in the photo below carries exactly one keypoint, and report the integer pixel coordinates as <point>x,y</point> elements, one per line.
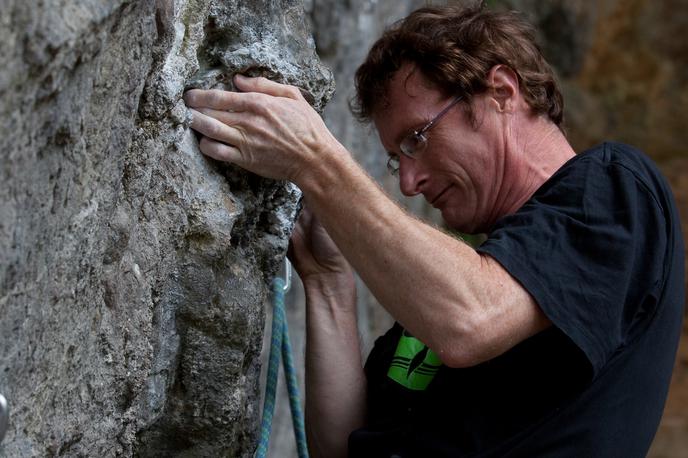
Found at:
<point>463,347</point>
<point>473,339</point>
<point>460,358</point>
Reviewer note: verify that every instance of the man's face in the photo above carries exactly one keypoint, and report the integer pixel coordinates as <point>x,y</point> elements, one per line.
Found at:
<point>460,171</point>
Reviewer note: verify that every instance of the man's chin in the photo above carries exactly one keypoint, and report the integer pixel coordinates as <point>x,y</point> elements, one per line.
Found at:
<point>459,222</point>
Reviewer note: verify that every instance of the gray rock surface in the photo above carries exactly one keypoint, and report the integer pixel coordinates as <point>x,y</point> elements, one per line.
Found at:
<point>133,271</point>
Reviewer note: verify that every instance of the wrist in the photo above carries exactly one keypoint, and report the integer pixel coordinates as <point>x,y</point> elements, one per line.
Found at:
<point>335,291</point>
<point>330,284</point>
<point>327,166</point>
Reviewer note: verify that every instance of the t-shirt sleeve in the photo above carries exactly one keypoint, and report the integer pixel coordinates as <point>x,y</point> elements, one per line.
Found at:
<point>589,247</point>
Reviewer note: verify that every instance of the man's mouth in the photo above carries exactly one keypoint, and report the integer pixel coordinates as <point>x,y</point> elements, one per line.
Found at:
<point>437,197</point>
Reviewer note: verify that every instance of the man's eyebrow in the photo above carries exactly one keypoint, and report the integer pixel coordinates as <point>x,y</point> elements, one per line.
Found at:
<point>402,134</point>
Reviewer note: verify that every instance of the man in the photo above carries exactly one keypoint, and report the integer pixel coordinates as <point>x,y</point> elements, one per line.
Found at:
<point>555,338</point>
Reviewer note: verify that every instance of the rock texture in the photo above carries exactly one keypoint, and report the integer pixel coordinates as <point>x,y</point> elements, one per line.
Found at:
<point>133,271</point>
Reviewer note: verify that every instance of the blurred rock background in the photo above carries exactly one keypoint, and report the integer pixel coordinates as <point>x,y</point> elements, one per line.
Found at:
<point>623,66</point>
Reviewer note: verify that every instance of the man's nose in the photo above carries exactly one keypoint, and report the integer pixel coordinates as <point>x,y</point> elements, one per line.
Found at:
<point>411,176</point>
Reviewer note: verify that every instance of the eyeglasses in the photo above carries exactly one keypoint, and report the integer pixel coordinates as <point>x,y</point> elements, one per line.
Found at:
<point>415,142</point>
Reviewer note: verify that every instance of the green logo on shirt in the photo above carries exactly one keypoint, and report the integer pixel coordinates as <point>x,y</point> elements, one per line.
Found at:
<point>414,365</point>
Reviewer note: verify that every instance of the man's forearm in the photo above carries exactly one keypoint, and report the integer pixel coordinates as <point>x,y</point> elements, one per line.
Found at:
<point>463,306</point>
<point>335,383</point>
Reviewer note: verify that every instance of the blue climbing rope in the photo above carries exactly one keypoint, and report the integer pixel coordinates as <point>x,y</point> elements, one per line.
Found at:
<point>293,389</point>
<point>280,343</point>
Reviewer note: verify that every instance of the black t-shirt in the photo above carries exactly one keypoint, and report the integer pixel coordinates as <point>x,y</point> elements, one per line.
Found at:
<point>599,248</point>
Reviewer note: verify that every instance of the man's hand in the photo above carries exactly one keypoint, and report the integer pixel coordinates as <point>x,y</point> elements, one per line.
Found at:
<point>335,383</point>
<point>317,259</point>
<point>269,128</point>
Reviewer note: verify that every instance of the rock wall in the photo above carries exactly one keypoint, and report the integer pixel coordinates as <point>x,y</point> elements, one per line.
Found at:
<point>133,271</point>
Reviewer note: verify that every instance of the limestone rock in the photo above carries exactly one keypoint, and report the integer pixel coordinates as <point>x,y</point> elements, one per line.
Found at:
<point>133,271</point>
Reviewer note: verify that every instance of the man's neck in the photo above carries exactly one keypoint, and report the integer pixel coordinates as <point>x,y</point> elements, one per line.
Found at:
<point>531,160</point>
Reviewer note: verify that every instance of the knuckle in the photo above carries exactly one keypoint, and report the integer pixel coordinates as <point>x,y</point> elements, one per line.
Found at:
<point>294,92</point>
<point>243,138</point>
<point>217,98</point>
<point>263,105</point>
<point>213,130</point>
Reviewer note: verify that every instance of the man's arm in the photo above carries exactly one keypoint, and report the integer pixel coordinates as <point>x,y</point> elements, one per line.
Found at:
<point>463,305</point>
<point>335,383</point>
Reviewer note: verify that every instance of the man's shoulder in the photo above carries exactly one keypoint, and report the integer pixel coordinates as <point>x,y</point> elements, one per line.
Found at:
<point>605,163</point>
<point>616,154</point>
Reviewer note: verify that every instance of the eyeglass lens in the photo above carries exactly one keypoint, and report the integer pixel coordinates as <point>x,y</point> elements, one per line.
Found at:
<point>416,141</point>
<point>412,144</point>
<point>393,164</point>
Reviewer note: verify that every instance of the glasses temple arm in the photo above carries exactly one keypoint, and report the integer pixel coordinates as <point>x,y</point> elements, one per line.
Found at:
<point>437,118</point>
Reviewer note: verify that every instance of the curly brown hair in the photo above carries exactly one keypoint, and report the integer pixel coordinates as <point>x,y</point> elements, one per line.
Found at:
<point>455,47</point>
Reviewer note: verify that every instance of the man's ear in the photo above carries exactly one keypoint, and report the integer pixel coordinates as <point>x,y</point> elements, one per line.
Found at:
<point>504,88</point>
